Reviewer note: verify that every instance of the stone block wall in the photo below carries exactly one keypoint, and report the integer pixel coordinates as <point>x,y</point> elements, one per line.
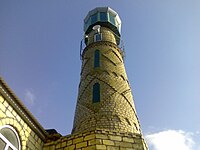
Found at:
<point>98,140</point>
<point>116,109</point>
<point>28,138</point>
<point>12,114</point>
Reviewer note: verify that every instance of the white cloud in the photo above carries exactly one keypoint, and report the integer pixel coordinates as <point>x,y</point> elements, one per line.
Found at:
<point>171,140</point>
<point>29,97</point>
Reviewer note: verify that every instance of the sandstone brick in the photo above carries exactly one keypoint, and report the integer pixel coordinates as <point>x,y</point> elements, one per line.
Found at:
<point>46,148</point>
<point>30,145</point>
<point>66,148</point>
<point>5,104</point>
<point>89,137</point>
<point>108,142</point>
<point>8,113</point>
<point>52,147</point>
<point>18,118</point>
<point>10,108</point>
<point>11,121</point>
<point>93,147</point>
<point>82,144</point>
<point>115,138</point>
<point>72,147</point>
<point>3,108</point>
<point>101,136</point>
<point>98,147</point>
<point>112,148</point>
<point>24,147</point>
<point>63,144</point>
<point>27,134</point>
<point>77,140</point>
<point>24,143</point>
<point>123,144</point>
<point>95,141</point>
<point>31,138</point>
<point>22,122</point>
<point>38,146</point>
<point>69,142</point>
<point>5,121</point>
<point>1,99</point>
<point>28,129</point>
<point>138,140</point>
<point>126,139</point>
<point>86,133</point>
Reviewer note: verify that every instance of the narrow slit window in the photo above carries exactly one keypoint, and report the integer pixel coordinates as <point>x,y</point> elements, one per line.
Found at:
<point>96,59</point>
<point>97,37</point>
<point>96,93</point>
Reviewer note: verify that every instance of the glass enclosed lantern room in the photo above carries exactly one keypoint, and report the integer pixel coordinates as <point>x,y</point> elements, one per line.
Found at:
<point>103,16</point>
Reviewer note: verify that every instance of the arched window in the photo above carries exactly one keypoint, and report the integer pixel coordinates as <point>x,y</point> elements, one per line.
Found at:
<point>96,59</point>
<point>96,93</point>
<point>9,139</point>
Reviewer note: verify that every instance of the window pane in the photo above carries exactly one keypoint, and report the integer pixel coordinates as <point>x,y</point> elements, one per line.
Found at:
<point>94,18</point>
<point>87,23</point>
<point>96,93</point>
<point>97,37</point>
<point>10,148</point>
<point>10,136</point>
<point>2,144</point>
<point>112,19</point>
<point>96,59</point>
<point>103,16</point>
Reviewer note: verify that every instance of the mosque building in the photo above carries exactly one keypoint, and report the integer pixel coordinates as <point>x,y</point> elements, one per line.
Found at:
<point>105,116</point>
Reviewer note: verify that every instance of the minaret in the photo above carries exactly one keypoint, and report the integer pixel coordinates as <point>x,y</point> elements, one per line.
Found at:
<point>105,101</point>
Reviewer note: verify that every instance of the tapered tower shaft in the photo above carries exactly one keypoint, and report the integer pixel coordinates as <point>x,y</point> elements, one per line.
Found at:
<point>104,100</point>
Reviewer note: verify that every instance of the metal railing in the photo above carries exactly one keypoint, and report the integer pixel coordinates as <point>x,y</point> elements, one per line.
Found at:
<point>121,46</point>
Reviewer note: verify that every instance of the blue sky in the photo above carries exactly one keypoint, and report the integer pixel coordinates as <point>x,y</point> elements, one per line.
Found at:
<point>39,59</point>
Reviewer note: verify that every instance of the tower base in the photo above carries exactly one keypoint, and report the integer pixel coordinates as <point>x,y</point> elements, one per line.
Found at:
<point>98,140</point>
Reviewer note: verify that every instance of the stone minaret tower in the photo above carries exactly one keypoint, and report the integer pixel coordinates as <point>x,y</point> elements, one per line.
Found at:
<point>105,117</point>
<point>105,102</point>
